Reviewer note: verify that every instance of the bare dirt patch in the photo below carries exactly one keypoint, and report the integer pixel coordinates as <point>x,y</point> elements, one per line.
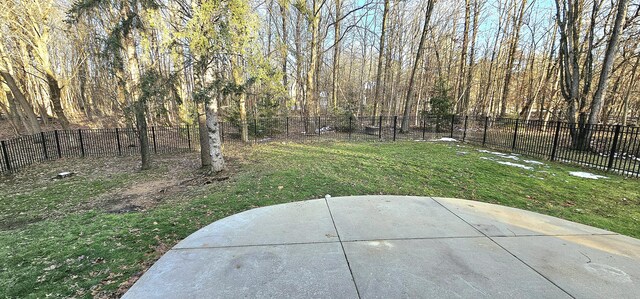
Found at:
<point>120,187</point>
<point>175,186</point>
<point>146,195</point>
<point>137,197</point>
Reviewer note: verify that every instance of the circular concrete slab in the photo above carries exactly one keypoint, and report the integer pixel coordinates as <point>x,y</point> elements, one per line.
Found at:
<point>395,247</point>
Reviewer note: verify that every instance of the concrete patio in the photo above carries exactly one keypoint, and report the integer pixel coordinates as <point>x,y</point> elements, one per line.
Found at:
<point>395,247</point>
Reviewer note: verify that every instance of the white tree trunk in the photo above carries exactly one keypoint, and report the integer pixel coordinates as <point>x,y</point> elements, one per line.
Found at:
<point>213,130</point>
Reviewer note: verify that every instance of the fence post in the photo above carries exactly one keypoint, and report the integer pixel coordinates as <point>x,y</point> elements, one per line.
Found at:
<point>153,134</point>
<point>287,126</point>
<point>118,141</point>
<point>81,142</point>
<point>484,136</point>
<point>556,139</point>
<point>464,135</point>
<point>515,135</point>
<point>350,125</point>
<point>453,119</point>
<point>5,153</point>
<point>395,123</point>
<point>319,126</point>
<point>55,133</point>
<point>380,128</point>
<point>424,126</point>
<point>44,146</point>
<point>189,136</point>
<point>614,147</point>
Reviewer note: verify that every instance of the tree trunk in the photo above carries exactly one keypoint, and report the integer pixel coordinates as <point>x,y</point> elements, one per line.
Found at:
<point>511,57</point>
<point>205,154</point>
<point>495,51</point>
<point>363,76</point>
<point>460,79</point>
<point>376,96</point>
<point>269,34</point>
<point>54,95</point>
<point>466,99</point>
<point>314,20</point>
<point>122,95</point>
<point>283,48</point>
<point>336,55</point>
<point>596,103</point>
<point>384,103</point>
<point>243,118</point>
<point>627,93</point>
<point>32,120</point>
<point>300,90</point>
<point>409,101</point>
<point>143,138</point>
<point>132,88</point>
<point>213,132</point>
<point>10,116</point>
<point>242,106</point>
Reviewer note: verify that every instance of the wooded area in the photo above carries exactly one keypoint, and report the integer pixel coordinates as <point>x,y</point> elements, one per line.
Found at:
<point>107,63</point>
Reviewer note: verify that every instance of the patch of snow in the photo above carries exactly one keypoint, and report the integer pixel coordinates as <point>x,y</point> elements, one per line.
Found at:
<point>618,171</point>
<point>502,155</point>
<point>533,162</point>
<point>327,196</point>
<point>446,139</point>
<point>587,175</point>
<point>515,165</point>
<point>324,129</point>
<point>418,140</point>
<point>508,163</point>
<point>490,152</point>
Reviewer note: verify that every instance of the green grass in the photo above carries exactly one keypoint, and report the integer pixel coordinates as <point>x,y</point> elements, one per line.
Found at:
<point>59,245</point>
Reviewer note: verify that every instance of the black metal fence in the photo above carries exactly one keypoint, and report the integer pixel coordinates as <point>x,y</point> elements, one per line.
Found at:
<point>608,147</point>
<point>613,148</point>
<point>25,150</point>
<point>338,128</point>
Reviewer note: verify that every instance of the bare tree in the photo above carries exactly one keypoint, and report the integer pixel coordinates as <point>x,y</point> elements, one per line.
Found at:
<point>463,57</point>
<point>577,65</point>
<point>410,92</point>
<point>596,103</point>
<point>336,54</point>
<point>472,56</point>
<point>513,45</point>
<point>376,96</point>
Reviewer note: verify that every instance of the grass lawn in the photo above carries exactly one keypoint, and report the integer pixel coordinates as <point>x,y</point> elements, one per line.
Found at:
<point>95,233</point>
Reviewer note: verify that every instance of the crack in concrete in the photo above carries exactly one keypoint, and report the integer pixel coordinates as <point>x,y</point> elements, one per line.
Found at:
<point>342,246</point>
